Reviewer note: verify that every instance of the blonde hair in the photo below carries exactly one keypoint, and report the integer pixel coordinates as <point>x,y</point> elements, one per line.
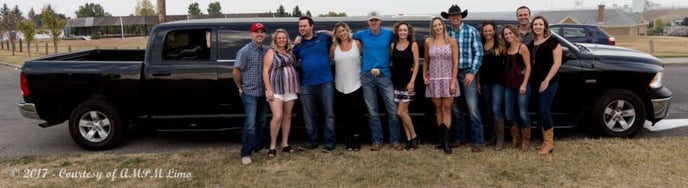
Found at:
<point>444,29</point>
<point>273,43</point>
<point>335,38</point>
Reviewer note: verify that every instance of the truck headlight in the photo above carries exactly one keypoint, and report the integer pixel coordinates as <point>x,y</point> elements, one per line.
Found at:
<point>657,80</point>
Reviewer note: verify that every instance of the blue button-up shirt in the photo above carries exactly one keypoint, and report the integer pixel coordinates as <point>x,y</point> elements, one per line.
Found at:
<point>249,60</point>
<point>375,50</point>
<point>470,47</point>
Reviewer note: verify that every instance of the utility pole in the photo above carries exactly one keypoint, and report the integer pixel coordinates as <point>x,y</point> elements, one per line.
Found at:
<point>161,11</point>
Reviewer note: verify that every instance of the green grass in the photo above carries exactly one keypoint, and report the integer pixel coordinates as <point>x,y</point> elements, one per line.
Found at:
<point>607,162</point>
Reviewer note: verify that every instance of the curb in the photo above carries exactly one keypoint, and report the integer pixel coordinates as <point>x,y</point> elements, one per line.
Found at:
<point>16,67</point>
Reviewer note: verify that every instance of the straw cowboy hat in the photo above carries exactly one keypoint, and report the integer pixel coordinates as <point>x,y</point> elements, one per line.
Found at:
<point>454,9</point>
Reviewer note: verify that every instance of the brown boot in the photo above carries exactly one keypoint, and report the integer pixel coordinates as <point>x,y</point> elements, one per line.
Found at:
<point>548,143</point>
<point>543,140</point>
<point>525,139</point>
<point>515,136</point>
<point>499,134</point>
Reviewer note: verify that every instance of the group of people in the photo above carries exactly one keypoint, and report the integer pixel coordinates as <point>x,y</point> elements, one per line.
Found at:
<point>460,63</point>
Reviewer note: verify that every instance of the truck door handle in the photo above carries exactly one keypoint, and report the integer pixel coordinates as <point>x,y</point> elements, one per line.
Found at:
<point>161,73</point>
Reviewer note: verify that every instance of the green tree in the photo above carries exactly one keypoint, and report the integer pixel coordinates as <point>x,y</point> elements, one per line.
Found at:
<point>333,14</point>
<point>144,8</point>
<point>659,25</point>
<point>52,24</point>
<point>5,15</point>
<point>28,27</point>
<point>91,10</point>
<point>214,8</point>
<point>15,17</point>
<point>308,13</point>
<point>281,12</point>
<point>194,10</point>
<point>32,16</point>
<point>296,12</point>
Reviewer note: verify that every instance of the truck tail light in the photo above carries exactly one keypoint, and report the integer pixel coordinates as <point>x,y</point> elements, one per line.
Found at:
<point>24,85</point>
<point>612,41</point>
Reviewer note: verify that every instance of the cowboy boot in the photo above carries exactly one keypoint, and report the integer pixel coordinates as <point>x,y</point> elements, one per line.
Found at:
<point>445,139</point>
<point>440,140</point>
<point>515,136</point>
<point>499,134</point>
<point>548,142</point>
<point>525,139</point>
<point>543,139</point>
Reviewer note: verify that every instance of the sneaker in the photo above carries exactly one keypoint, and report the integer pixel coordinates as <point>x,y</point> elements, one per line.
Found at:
<point>476,149</point>
<point>246,160</point>
<point>375,147</point>
<point>327,150</point>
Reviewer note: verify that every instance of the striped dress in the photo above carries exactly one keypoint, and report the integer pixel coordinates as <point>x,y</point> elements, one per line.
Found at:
<point>283,76</point>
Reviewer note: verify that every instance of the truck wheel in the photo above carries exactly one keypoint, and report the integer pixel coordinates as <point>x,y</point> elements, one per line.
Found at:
<point>618,113</point>
<point>96,125</point>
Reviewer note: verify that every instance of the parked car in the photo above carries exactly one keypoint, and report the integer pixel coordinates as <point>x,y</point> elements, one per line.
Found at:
<point>583,33</point>
<point>100,92</point>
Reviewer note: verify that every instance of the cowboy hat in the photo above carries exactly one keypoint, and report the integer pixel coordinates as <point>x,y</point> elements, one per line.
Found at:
<point>454,9</point>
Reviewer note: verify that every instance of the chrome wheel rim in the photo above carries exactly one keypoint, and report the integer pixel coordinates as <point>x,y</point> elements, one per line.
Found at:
<point>94,126</point>
<point>619,115</point>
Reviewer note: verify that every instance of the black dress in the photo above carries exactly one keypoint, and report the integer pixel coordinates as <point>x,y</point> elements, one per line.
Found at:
<point>402,67</point>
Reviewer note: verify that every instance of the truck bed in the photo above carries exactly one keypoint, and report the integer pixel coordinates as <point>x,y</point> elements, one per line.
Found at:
<point>98,55</point>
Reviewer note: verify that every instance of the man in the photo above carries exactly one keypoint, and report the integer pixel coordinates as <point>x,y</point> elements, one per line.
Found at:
<point>470,59</point>
<point>375,76</point>
<point>317,90</point>
<point>248,78</point>
<point>523,16</point>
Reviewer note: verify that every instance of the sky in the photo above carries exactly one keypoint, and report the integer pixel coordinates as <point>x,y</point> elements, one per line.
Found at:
<point>351,7</point>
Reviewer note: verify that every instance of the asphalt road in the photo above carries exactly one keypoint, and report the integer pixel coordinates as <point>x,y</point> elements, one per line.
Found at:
<point>22,137</point>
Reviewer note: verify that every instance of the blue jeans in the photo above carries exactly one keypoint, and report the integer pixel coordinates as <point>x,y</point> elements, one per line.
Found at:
<point>493,95</point>
<point>371,85</point>
<point>314,97</point>
<point>512,95</point>
<point>255,109</point>
<point>545,100</point>
<point>470,93</point>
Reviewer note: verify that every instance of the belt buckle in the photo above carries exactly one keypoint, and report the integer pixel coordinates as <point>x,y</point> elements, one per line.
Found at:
<point>375,71</point>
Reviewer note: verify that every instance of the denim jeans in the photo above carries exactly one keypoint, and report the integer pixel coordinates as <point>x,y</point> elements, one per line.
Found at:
<point>255,109</point>
<point>545,100</point>
<point>371,86</point>
<point>511,95</point>
<point>470,94</point>
<point>493,95</point>
<point>318,97</point>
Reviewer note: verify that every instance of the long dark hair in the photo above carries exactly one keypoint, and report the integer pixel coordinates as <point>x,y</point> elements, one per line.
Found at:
<point>410,38</point>
<point>497,45</point>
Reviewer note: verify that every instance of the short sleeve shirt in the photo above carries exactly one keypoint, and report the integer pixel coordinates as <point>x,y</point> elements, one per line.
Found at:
<point>375,50</point>
<point>250,61</point>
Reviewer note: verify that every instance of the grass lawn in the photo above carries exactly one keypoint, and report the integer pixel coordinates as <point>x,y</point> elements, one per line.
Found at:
<point>606,162</point>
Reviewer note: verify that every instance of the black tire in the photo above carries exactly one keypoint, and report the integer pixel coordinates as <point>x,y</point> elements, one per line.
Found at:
<point>101,129</point>
<point>618,113</point>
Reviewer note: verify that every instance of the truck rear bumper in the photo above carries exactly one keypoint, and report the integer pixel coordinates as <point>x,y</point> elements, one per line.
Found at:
<point>661,107</point>
<point>28,110</point>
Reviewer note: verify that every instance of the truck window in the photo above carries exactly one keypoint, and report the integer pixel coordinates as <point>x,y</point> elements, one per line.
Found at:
<point>187,45</point>
<point>230,41</point>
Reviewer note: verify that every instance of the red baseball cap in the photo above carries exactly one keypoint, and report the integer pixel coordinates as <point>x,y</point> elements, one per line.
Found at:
<point>256,26</point>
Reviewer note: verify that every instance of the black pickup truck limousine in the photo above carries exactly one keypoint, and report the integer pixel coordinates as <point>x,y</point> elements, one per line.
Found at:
<point>183,80</point>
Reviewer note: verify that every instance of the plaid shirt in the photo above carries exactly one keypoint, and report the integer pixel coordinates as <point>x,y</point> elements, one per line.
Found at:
<point>249,60</point>
<point>470,47</point>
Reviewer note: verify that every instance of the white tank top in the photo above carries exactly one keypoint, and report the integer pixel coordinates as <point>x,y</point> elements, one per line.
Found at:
<point>348,68</point>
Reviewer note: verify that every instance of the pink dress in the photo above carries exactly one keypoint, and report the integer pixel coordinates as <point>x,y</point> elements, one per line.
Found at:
<point>440,72</point>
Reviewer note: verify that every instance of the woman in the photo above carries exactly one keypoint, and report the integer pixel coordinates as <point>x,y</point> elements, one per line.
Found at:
<point>281,86</point>
<point>491,80</point>
<point>347,57</point>
<point>404,50</point>
<point>546,52</point>
<point>439,75</point>
<point>517,73</point>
